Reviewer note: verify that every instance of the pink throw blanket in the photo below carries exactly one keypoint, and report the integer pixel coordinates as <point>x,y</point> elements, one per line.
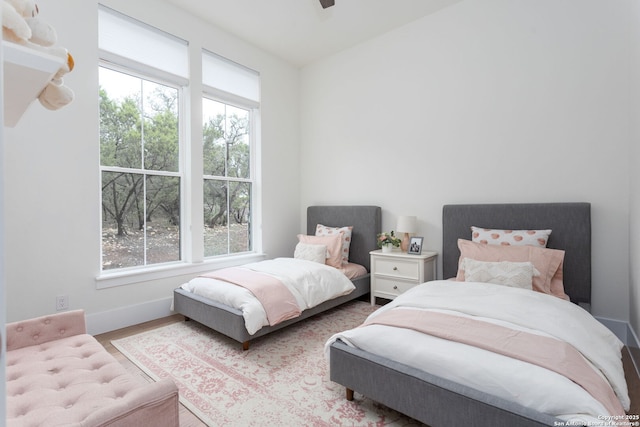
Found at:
<point>549,353</point>
<point>278,301</point>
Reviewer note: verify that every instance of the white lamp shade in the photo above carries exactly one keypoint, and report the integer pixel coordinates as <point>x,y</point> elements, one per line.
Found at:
<point>407,224</point>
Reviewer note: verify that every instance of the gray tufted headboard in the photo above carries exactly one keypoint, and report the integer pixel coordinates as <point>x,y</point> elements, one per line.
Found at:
<point>366,222</point>
<point>571,231</point>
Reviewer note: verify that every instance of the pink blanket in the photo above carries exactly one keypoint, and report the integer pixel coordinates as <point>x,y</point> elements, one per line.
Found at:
<point>278,301</point>
<point>549,353</point>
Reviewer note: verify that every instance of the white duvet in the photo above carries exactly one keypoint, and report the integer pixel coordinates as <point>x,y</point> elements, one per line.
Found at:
<point>311,283</point>
<point>511,379</point>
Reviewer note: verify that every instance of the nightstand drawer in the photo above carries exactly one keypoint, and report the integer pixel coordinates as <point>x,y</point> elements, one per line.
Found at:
<point>393,273</point>
<point>398,268</point>
<point>391,288</point>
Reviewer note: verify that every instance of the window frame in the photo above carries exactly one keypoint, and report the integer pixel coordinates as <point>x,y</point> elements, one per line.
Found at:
<point>187,265</point>
<point>192,259</point>
<point>253,110</point>
<point>181,173</point>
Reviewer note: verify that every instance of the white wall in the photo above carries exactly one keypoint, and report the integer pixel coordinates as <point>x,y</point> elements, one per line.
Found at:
<point>485,101</point>
<point>634,235</point>
<point>52,180</point>
<point>634,161</point>
<point>3,344</point>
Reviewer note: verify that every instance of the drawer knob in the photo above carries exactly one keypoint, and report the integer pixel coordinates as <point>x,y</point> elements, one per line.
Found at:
<point>395,287</point>
<point>395,268</point>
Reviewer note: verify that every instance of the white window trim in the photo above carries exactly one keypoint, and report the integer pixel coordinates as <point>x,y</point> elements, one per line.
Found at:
<point>129,66</point>
<point>152,75</point>
<point>187,266</point>
<point>253,108</point>
<point>191,91</point>
<point>121,277</point>
<point>230,98</point>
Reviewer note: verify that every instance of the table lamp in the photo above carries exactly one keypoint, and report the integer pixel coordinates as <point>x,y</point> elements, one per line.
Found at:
<point>407,224</point>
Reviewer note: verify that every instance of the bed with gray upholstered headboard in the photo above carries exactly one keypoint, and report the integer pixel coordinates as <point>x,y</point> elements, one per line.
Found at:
<point>571,231</point>
<point>431,398</point>
<point>366,222</point>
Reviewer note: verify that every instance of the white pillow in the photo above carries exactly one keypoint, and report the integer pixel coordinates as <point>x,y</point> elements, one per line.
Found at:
<point>507,273</point>
<point>510,237</point>
<point>316,253</point>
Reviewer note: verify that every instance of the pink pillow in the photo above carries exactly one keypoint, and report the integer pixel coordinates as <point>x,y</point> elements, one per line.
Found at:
<point>352,270</point>
<point>548,262</point>
<point>333,244</point>
<point>557,284</point>
<point>323,230</point>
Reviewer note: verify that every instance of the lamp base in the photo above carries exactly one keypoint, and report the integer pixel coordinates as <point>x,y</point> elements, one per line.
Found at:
<point>404,245</point>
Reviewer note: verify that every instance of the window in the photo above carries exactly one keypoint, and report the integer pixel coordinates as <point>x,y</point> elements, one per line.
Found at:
<point>227,178</point>
<point>140,167</point>
<point>229,105</point>
<point>142,73</point>
<point>145,170</point>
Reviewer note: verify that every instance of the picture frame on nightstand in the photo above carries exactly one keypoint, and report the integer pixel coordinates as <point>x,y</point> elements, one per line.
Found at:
<point>415,246</point>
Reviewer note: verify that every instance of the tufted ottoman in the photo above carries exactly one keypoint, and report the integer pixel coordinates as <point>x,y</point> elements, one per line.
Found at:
<point>58,375</point>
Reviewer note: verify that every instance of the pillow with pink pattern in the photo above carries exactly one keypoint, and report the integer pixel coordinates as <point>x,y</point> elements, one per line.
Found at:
<point>323,230</point>
<point>510,237</point>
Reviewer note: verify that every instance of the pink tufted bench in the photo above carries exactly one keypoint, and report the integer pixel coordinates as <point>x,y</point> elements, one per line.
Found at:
<point>58,375</point>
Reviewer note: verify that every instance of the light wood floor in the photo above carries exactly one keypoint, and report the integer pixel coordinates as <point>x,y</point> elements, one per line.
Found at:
<point>187,419</point>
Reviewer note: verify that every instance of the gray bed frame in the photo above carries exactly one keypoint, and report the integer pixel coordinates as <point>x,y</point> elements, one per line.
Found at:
<point>440,402</point>
<point>366,222</point>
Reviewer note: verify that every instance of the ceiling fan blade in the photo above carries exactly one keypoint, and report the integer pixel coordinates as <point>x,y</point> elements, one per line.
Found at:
<point>327,3</point>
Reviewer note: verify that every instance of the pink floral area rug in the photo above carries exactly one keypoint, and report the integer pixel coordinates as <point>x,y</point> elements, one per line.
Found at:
<point>282,380</point>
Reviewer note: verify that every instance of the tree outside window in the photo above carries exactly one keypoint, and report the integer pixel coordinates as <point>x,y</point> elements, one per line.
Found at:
<point>140,167</point>
<point>227,178</point>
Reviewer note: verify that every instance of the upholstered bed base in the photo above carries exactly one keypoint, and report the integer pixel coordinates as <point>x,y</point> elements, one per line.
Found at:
<point>229,321</point>
<point>425,397</point>
<point>439,402</point>
<point>366,222</point>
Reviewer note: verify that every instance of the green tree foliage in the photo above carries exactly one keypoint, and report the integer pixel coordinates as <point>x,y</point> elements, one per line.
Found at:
<point>139,150</point>
<point>120,133</point>
<point>161,141</point>
<point>139,137</point>
<point>226,153</point>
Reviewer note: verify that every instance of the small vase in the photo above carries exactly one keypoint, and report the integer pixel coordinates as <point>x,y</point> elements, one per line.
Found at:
<point>387,248</point>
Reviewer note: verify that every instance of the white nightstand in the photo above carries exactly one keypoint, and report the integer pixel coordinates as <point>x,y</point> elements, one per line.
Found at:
<point>392,273</point>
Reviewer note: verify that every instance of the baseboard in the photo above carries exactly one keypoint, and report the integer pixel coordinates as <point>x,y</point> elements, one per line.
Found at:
<point>634,348</point>
<point>107,321</point>
<point>618,327</point>
<point>632,338</point>
<point>627,335</point>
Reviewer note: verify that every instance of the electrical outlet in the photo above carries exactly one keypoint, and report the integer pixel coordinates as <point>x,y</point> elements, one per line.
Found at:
<point>62,302</point>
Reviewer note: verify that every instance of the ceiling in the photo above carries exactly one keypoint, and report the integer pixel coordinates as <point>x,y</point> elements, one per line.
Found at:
<point>300,31</point>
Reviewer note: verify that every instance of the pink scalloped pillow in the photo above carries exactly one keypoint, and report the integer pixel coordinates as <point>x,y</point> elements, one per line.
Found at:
<point>548,262</point>
<point>333,244</point>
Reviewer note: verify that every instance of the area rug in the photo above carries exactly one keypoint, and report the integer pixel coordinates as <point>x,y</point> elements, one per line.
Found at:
<point>282,380</point>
